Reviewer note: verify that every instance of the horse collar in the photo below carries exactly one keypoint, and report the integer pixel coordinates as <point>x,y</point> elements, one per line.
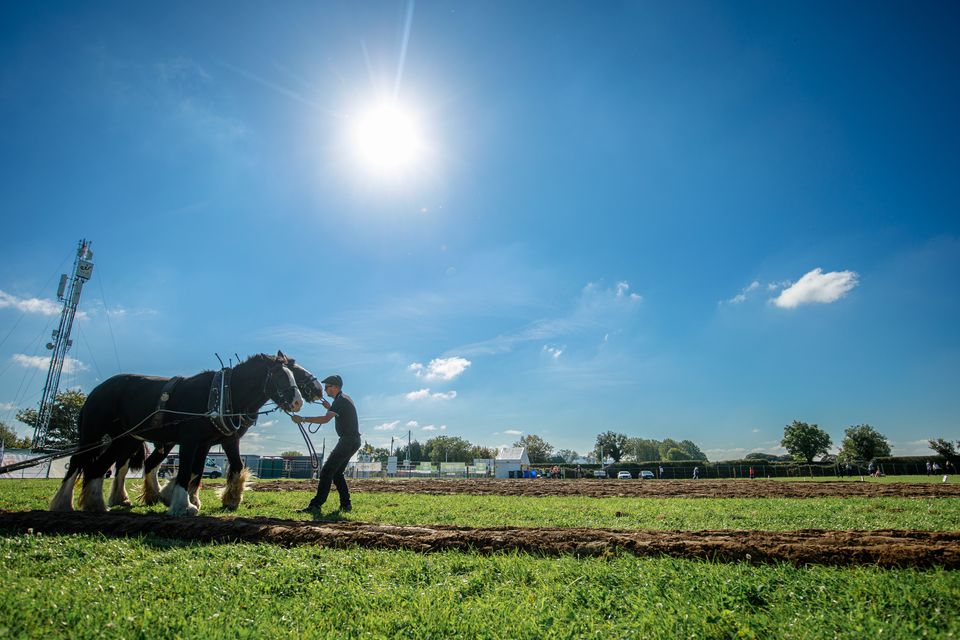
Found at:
<point>220,404</point>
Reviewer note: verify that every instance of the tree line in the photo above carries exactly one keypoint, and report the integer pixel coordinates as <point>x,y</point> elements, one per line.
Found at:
<point>804,442</point>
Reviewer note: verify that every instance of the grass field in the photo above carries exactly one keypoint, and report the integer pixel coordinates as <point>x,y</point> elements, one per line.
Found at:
<point>91,586</point>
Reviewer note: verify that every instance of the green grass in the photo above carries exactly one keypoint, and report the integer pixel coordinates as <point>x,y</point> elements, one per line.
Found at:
<point>90,587</point>
<point>940,514</point>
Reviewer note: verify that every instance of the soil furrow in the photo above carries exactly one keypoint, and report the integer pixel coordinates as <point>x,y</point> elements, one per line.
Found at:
<point>884,548</point>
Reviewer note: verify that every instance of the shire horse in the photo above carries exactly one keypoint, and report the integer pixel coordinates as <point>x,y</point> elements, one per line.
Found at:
<point>237,475</point>
<point>128,409</point>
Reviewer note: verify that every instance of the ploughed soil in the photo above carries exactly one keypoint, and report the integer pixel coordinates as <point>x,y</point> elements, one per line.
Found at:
<point>634,488</point>
<point>885,548</point>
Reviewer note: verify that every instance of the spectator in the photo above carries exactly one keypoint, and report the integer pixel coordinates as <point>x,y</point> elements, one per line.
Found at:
<point>696,473</point>
<point>751,473</point>
<point>929,468</point>
<point>661,472</point>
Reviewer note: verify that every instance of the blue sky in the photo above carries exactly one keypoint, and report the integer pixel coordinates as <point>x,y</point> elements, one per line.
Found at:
<point>700,221</point>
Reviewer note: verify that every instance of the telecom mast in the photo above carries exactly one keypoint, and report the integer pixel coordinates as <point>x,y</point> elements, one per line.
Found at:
<point>69,293</point>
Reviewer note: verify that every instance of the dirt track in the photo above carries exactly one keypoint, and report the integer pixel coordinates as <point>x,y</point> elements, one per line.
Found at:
<point>885,548</point>
<point>636,488</point>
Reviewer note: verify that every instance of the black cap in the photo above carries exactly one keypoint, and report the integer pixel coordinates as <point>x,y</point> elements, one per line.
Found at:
<point>337,380</point>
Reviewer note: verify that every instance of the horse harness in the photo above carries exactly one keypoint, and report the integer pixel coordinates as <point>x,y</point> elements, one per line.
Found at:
<point>220,406</point>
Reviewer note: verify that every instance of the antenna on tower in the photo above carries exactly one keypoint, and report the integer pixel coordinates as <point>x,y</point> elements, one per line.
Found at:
<point>68,292</point>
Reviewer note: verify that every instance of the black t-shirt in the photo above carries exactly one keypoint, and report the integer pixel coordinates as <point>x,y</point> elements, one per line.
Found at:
<point>347,423</point>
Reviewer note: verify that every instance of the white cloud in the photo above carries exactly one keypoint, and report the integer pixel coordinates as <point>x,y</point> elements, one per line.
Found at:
<point>70,365</point>
<point>387,426</point>
<point>428,427</point>
<point>555,352</point>
<point>755,431</point>
<point>413,424</point>
<point>29,305</point>
<point>742,296</point>
<point>441,368</point>
<point>622,291</point>
<point>424,394</point>
<point>7,406</point>
<point>817,286</point>
<point>513,432</point>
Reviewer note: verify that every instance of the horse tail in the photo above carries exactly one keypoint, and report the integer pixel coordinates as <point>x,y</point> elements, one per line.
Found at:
<point>138,456</point>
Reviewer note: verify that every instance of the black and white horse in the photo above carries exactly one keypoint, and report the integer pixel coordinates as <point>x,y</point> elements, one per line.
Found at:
<point>237,474</point>
<point>123,411</point>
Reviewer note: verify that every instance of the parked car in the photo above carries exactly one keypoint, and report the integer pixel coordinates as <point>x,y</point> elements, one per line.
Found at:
<point>646,474</point>
<point>599,473</point>
<point>624,475</point>
<point>169,468</point>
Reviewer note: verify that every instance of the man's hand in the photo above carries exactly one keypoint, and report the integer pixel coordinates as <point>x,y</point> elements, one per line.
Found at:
<point>296,419</point>
<point>326,405</point>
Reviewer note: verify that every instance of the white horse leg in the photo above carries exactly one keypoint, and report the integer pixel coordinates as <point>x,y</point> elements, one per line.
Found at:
<point>91,496</point>
<point>118,491</point>
<point>166,494</point>
<point>232,495</point>
<point>180,502</point>
<point>151,487</point>
<point>63,498</point>
<point>194,494</point>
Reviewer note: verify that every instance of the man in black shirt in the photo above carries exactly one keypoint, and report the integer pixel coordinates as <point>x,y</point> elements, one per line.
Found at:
<point>348,428</point>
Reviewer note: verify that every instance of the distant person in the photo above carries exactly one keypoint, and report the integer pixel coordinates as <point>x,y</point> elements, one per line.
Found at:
<point>751,473</point>
<point>579,471</point>
<point>929,468</point>
<point>348,429</point>
<point>696,473</point>
<point>661,472</point>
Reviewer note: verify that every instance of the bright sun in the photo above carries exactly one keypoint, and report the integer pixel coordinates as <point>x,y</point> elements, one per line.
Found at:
<point>388,139</point>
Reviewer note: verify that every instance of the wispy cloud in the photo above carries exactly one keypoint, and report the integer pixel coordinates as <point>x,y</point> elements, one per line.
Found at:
<point>425,394</point>
<point>554,352</point>
<point>40,306</point>
<point>7,406</point>
<point>513,432</point>
<point>387,426</point>
<point>817,286</point>
<point>597,309</point>
<point>440,368</point>
<point>70,365</point>
<point>742,296</point>
<point>431,427</point>
<point>300,335</point>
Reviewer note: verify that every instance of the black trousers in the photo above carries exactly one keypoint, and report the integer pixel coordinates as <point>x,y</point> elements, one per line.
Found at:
<point>332,471</point>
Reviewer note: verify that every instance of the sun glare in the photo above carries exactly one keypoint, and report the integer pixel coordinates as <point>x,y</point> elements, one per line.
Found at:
<point>388,139</point>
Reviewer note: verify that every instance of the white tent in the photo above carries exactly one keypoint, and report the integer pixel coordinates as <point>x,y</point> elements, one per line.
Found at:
<point>510,459</point>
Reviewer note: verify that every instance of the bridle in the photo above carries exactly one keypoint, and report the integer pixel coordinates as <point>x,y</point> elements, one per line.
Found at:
<point>284,394</point>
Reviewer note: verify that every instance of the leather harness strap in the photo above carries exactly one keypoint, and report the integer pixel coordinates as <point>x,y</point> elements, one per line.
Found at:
<point>157,421</point>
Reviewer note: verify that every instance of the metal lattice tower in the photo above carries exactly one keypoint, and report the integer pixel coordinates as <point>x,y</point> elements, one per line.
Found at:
<point>69,293</point>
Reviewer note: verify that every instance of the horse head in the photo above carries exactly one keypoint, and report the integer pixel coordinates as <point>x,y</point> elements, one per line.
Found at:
<point>310,387</point>
<point>280,385</point>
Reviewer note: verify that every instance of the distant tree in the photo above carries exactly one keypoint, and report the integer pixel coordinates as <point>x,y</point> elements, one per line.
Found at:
<point>291,454</point>
<point>567,455</point>
<point>692,450</point>
<point>483,453</point>
<point>380,454</point>
<point>538,449</point>
<point>414,452</point>
<point>447,449</point>
<point>863,442</point>
<point>673,454</point>
<point>665,445</point>
<point>757,455</point>
<point>11,440</point>
<point>62,430</point>
<point>611,444</point>
<point>946,449</point>
<point>805,441</point>
<point>642,449</point>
